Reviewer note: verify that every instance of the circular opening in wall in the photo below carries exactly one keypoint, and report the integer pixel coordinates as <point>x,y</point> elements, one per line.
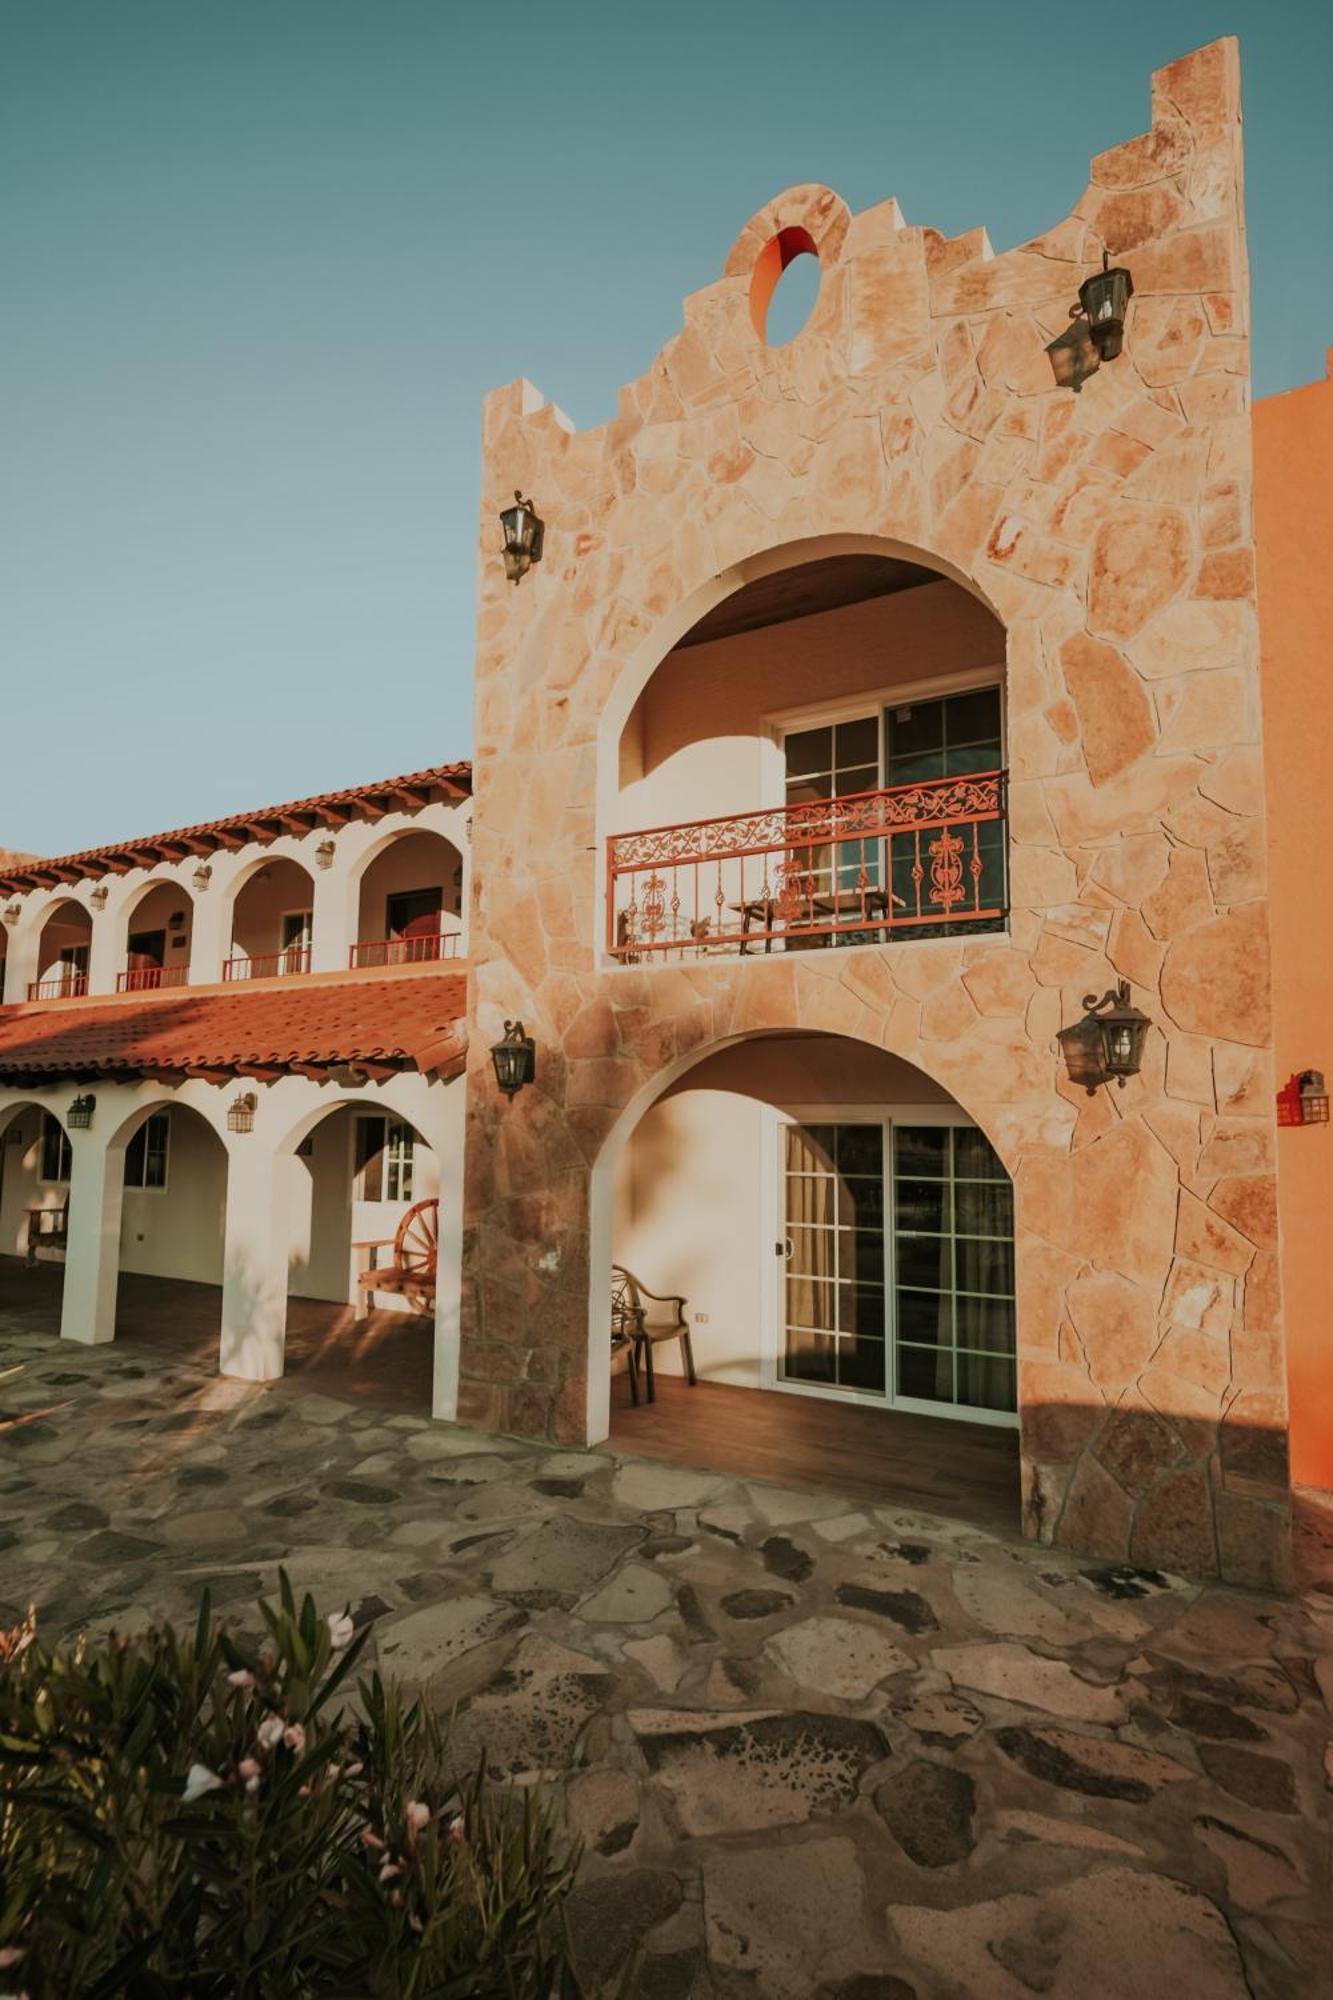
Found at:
<point>785,285</point>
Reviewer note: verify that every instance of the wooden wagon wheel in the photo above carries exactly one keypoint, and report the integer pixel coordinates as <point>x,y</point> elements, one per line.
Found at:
<point>415,1252</point>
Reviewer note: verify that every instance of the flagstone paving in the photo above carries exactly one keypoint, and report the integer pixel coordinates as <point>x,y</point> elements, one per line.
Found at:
<point>813,1751</point>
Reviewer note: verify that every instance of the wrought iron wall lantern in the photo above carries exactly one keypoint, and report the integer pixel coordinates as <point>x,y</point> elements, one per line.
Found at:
<point>176,921</point>
<point>1097,326</point>
<point>241,1112</point>
<point>97,896</point>
<point>202,876</point>
<point>324,854</point>
<point>515,1059</point>
<point>1107,1042</point>
<point>524,534</point>
<point>80,1114</point>
<point>13,911</point>
<point>1313,1097</point>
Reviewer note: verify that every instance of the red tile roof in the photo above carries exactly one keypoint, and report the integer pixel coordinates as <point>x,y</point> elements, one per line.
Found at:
<point>378,1025</point>
<point>417,788</point>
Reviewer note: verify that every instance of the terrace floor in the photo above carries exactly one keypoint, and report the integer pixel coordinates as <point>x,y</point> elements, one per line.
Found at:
<point>816,1747</point>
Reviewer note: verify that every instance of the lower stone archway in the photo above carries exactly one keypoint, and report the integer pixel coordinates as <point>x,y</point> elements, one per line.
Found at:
<point>34,1210</point>
<point>840,1235</point>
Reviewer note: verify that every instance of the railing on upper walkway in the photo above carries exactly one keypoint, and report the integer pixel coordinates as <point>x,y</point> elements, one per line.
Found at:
<point>909,861</point>
<point>147,978</point>
<point>284,964</point>
<point>58,986</point>
<point>404,950</point>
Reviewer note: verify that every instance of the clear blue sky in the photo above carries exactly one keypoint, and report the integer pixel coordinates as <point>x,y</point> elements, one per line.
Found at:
<point>262,258</point>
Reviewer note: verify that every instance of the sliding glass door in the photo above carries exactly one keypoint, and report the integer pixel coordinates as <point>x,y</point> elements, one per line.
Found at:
<point>898,1265</point>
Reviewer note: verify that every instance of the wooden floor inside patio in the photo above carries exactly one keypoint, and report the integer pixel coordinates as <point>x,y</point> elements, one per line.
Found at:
<point>385,1360</point>
<point>890,1457</point>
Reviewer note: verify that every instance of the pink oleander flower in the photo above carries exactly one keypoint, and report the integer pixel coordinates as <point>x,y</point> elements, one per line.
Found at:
<point>341,1630</point>
<point>241,1677</point>
<point>269,1733</point>
<point>370,1838</point>
<point>456,1831</point>
<point>389,1870</point>
<point>199,1779</point>
<point>417,1815</point>
<point>294,1737</point>
<point>9,1955</point>
<point>333,1772</point>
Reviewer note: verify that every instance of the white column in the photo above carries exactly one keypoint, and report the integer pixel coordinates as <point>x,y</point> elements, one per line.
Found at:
<point>333,923</point>
<point>104,951</point>
<point>20,962</point>
<point>210,926</point>
<point>92,1248</point>
<point>255,1262</point>
<point>449,1252</point>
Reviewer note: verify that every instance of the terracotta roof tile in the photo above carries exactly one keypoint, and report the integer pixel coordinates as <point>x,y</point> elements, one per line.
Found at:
<point>19,872</point>
<point>376,1024</point>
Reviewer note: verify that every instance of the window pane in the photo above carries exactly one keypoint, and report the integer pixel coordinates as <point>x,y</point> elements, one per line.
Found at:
<point>861,1365</point>
<point>810,1148</point>
<point>804,791</point>
<point>987,1324</point>
<point>987,1382</point>
<point>914,730</point>
<point>973,718</point>
<point>984,1265</point>
<point>861,1149</point>
<point>858,778</point>
<point>921,1150</point>
<point>926,1261</point>
<point>809,1357</point>
<point>812,1251</point>
<point>985,1208</point>
<point>136,1152</point>
<point>809,751</point>
<point>925,1374</point>
<point>858,743</point>
<point>925,1318</point>
<point>922,1205</point>
<point>975,1158</point>
<point>811,1302</point>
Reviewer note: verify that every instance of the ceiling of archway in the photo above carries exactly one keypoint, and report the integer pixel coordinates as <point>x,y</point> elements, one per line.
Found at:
<point>804,589</point>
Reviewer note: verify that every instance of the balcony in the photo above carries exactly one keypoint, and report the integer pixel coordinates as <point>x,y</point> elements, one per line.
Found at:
<point>58,984</point>
<point>286,964</point>
<point>403,950</point>
<point>147,978</point>
<point>909,861</point>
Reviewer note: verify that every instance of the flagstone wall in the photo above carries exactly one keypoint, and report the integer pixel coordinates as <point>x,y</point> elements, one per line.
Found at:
<point>1110,533</point>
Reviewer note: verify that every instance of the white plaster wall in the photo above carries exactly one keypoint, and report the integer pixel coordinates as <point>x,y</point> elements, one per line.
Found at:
<point>176,1231</point>
<point>276,887</point>
<point>418,860</point>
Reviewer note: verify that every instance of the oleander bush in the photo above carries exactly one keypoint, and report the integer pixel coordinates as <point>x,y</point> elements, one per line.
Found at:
<point>194,1816</point>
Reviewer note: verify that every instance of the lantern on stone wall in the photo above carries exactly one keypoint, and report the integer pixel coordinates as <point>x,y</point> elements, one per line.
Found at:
<point>1096,332</point>
<point>1313,1097</point>
<point>515,1059</point>
<point>1108,1042</point>
<point>524,533</point>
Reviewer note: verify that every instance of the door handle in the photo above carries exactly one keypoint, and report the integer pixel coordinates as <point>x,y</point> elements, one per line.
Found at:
<point>784,1249</point>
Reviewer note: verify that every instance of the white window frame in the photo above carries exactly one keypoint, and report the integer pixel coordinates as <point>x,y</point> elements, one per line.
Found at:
<point>773,1290</point>
<point>145,1186</point>
<point>392,1165</point>
<point>781,723</point>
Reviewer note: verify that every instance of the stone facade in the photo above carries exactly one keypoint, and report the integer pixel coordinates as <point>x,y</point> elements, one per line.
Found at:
<point>1111,535</point>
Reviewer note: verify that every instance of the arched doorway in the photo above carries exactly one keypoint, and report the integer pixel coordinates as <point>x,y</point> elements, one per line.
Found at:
<point>62,952</point>
<point>34,1213</point>
<point>271,918</point>
<point>409,901</point>
<point>158,930</point>
<point>172,1207</point>
<point>839,1235</point>
<point>355,1177</point>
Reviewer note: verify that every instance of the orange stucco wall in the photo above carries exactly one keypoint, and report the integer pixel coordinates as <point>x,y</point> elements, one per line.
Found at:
<point>1293,491</point>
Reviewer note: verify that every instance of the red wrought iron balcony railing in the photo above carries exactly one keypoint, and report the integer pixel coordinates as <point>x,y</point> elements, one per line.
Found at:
<point>147,978</point>
<point>268,964</point>
<point>404,950</point>
<point>908,861</point>
<point>58,986</point>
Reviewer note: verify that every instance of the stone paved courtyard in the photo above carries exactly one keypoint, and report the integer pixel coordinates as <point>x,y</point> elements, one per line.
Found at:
<point>811,1749</point>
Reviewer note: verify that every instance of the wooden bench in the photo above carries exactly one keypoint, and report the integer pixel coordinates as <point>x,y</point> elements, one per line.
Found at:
<point>48,1229</point>
<point>411,1275</point>
<point>636,1327</point>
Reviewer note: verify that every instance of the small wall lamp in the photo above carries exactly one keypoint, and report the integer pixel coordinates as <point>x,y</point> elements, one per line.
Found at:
<point>1097,329</point>
<point>1303,1100</point>
<point>1107,1042</point>
<point>524,533</point>
<point>97,896</point>
<point>13,911</point>
<point>80,1114</point>
<point>241,1112</point>
<point>202,876</point>
<point>515,1059</point>
<point>324,853</point>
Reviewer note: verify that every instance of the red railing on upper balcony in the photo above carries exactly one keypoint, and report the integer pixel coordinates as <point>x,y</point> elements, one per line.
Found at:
<point>269,964</point>
<point>147,978</point>
<point>908,860</point>
<point>58,986</point>
<point>404,950</point>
